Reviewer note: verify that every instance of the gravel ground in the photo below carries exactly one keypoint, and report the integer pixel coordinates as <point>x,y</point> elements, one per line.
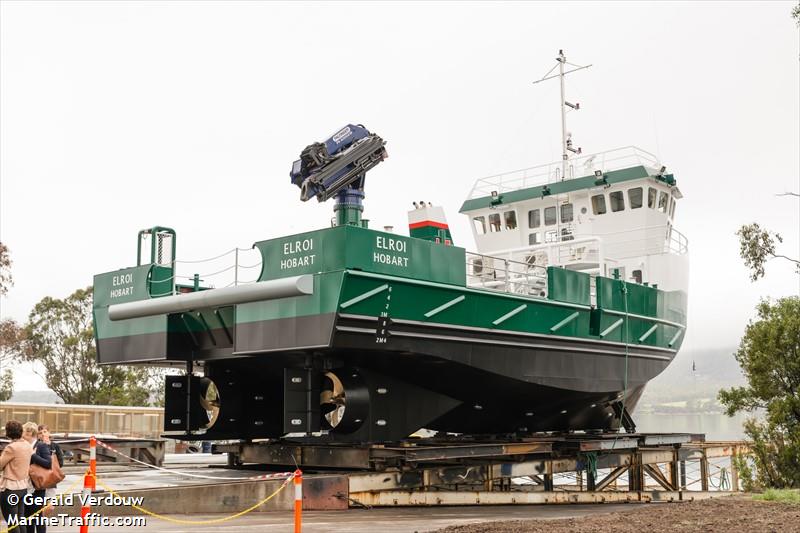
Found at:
<point>731,514</point>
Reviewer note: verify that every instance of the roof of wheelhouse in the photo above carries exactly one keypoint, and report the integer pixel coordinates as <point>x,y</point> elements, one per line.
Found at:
<point>559,187</point>
<point>637,170</point>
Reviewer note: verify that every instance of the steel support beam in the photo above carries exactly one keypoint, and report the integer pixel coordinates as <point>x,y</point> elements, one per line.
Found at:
<point>704,472</point>
<point>655,472</point>
<point>610,478</point>
<point>433,498</point>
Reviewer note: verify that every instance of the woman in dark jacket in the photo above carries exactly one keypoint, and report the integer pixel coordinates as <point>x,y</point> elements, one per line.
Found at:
<point>44,436</point>
<point>41,456</point>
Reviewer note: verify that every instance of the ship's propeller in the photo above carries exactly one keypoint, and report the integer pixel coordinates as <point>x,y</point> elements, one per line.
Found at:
<point>344,401</point>
<point>210,401</point>
<point>332,400</point>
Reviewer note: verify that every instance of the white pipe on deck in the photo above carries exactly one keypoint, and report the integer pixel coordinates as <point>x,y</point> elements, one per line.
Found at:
<point>181,303</point>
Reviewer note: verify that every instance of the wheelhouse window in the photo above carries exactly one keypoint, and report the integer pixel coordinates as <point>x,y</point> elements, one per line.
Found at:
<point>598,204</point>
<point>494,222</point>
<point>510,219</point>
<point>617,201</point>
<point>651,198</point>
<point>662,201</point>
<point>635,197</point>
<point>566,213</point>
<point>534,238</point>
<point>480,225</point>
<point>549,216</point>
<point>534,218</point>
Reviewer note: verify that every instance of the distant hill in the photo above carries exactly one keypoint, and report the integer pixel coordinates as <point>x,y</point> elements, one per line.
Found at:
<point>35,396</point>
<point>695,386</point>
<point>717,365</point>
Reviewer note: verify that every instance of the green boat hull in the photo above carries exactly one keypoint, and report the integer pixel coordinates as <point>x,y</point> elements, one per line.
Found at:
<point>392,320</point>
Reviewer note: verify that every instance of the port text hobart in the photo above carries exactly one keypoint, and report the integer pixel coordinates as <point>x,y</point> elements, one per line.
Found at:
<point>122,285</point>
<point>298,247</point>
<point>390,245</point>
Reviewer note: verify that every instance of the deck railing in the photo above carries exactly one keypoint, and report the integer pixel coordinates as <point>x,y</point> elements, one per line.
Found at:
<point>505,275</point>
<point>523,270</point>
<point>585,165</point>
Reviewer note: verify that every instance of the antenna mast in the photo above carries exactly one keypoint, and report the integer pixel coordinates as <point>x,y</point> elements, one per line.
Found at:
<point>566,138</point>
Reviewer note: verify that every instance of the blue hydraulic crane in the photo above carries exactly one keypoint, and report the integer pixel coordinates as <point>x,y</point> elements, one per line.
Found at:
<point>337,168</point>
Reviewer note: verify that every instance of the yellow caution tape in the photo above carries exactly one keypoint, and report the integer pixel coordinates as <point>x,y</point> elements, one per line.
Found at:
<point>200,522</point>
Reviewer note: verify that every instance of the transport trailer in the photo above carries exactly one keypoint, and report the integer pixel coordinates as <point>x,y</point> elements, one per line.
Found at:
<point>539,469</point>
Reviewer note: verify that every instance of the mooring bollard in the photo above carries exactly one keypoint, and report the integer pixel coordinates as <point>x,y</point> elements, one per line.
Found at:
<point>298,501</point>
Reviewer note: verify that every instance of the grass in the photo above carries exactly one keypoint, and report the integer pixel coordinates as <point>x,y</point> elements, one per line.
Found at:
<point>780,495</point>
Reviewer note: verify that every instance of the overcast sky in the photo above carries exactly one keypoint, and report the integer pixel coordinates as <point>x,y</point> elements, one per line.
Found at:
<point>120,116</point>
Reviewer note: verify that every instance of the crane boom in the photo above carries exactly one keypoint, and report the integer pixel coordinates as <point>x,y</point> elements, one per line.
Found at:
<point>338,165</point>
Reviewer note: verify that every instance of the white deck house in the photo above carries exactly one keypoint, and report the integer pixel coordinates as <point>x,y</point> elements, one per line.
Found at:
<point>612,210</point>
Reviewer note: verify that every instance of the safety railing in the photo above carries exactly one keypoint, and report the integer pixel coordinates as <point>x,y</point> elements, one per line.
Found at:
<point>523,270</point>
<point>591,253</point>
<point>653,240</point>
<point>505,275</point>
<point>237,266</point>
<point>586,165</point>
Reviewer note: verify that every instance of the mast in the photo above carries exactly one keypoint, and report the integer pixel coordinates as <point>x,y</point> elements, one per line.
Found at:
<point>566,138</point>
<point>564,153</point>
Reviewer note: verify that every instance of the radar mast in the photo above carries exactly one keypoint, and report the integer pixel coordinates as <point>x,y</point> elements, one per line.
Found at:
<point>566,137</point>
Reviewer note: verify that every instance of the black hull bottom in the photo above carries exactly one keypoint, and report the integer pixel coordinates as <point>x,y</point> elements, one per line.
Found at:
<point>437,377</point>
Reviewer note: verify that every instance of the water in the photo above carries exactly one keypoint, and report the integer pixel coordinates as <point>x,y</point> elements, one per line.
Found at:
<point>715,426</point>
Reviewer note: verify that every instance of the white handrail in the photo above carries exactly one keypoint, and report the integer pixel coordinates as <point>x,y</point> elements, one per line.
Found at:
<point>505,275</point>
<point>610,160</point>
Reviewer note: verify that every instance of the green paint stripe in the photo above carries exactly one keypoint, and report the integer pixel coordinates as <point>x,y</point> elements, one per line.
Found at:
<point>368,294</point>
<point>442,307</point>
<point>675,338</point>
<point>648,333</point>
<point>510,314</point>
<point>566,321</point>
<point>643,317</point>
<point>611,328</point>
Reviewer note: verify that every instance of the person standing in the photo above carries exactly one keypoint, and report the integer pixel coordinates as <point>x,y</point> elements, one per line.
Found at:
<point>44,436</point>
<point>15,462</point>
<point>41,456</point>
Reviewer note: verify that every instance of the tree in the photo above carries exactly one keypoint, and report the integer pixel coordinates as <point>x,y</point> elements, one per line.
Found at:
<point>10,336</point>
<point>757,246</point>
<point>59,337</point>
<point>6,385</point>
<point>6,280</point>
<point>769,354</point>
<point>9,329</point>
